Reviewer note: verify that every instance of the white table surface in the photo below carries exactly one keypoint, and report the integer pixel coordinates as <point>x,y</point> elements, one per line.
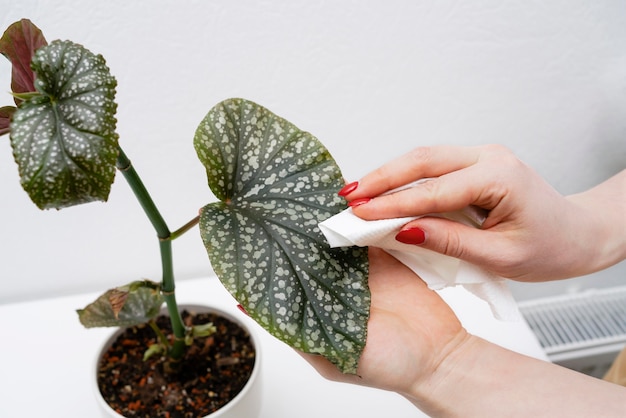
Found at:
<point>37,332</point>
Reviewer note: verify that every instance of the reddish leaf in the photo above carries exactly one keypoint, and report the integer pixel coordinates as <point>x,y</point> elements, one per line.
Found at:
<point>6,113</point>
<point>18,44</point>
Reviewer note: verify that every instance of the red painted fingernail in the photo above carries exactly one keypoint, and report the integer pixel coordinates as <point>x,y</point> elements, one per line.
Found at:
<point>242,309</point>
<point>348,188</point>
<point>414,236</point>
<point>359,202</point>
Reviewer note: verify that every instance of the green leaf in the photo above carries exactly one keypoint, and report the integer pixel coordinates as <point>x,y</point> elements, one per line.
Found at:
<point>19,43</point>
<point>203,330</point>
<point>276,183</point>
<point>152,350</point>
<point>142,301</point>
<point>63,138</point>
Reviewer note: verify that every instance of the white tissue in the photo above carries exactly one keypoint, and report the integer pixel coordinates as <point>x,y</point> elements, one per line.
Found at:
<point>437,270</point>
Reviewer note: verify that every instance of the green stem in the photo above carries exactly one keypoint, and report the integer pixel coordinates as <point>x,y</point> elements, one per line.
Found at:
<point>180,231</point>
<point>165,245</point>
<point>168,290</point>
<point>159,333</point>
<point>137,186</point>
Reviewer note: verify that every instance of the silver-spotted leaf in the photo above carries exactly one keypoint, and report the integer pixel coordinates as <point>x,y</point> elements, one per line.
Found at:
<point>276,183</point>
<point>142,301</point>
<point>63,137</point>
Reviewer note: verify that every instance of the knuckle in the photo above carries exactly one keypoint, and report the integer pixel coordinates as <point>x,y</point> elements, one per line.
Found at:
<point>382,176</point>
<point>420,155</point>
<point>430,195</point>
<point>431,187</point>
<point>502,157</point>
<point>452,245</point>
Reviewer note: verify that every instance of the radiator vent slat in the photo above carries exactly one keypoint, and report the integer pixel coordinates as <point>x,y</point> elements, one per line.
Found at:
<point>580,320</point>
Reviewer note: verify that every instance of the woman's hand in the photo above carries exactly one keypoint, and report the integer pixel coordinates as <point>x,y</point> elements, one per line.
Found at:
<point>417,348</point>
<point>531,233</point>
<point>410,330</point>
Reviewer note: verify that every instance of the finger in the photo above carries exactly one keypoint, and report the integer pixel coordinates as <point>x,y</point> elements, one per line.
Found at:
<point>464,242</point>
<point>450,192</point>
<point>417,164</point>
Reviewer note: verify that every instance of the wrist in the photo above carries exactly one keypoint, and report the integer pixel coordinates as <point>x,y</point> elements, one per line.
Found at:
<point>602,225</point>
<point>435,395</point>
<point>479,378</point>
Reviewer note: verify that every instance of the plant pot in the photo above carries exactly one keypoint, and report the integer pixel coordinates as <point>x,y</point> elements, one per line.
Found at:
<point>246,403</point>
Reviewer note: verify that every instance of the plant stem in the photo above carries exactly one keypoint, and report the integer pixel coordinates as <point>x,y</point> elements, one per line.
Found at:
<point>180,231</point>
<point>158,333</point>
<point>169,294</point>
<point>165,245</point>
<point>130,174</point>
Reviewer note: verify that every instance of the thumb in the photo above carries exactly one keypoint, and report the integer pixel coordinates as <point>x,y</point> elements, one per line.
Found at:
<point>449,238</point>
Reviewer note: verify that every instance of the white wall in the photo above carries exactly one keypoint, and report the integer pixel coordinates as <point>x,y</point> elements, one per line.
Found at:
<point>371,79</point>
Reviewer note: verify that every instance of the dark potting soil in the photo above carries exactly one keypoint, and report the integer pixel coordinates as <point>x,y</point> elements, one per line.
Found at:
<point>214,370</point>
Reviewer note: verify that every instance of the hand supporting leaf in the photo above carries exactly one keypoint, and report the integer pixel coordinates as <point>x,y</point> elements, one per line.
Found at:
<point>276,183</point>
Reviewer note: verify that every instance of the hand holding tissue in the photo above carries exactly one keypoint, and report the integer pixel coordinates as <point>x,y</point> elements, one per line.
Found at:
<point>437,270</point>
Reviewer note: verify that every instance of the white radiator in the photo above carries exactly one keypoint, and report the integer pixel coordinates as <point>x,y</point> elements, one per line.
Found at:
<point>582,331</point>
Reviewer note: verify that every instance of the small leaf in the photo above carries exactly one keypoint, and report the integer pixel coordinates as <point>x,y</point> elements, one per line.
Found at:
<point>141,304</point>
<point>63,138</point>
<point>203,330</point>
<point>19,43</point>
<point>152,350</point>
<point>276,184</point>
<point>119,295</point>
<point>6,113</point>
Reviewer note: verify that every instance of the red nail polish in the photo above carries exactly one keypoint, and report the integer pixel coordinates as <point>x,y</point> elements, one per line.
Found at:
<point>348,188</point>
<point>414,236</point>
<point>242,309</point>
<point>359,202</point>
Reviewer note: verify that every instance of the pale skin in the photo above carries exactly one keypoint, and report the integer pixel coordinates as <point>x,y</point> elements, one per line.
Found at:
<point>433,361</point>
<point>529,223</point>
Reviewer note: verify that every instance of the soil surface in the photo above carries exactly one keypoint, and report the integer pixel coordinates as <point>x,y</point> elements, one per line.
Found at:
<point>214,370</point>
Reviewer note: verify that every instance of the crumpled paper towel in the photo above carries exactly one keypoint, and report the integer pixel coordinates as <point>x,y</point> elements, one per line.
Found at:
<point>437,270</point>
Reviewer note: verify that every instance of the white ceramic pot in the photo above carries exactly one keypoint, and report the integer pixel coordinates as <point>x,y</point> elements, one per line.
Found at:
<point>246,404</point>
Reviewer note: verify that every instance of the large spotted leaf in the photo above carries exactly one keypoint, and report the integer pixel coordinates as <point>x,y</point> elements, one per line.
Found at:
<point>63,135</point>
<point>276,183</point>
